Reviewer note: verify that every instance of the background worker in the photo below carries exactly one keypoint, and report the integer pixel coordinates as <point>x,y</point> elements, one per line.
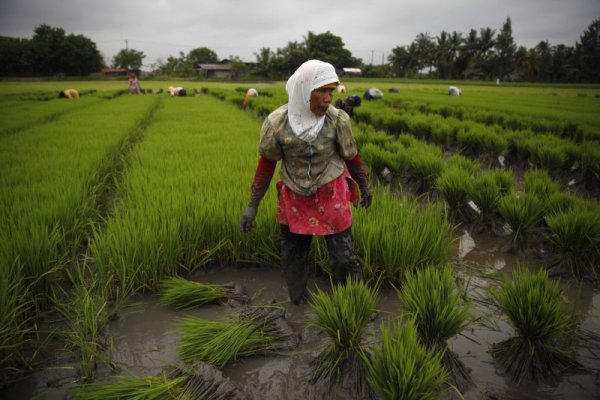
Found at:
<point>69,94</point>
<point>134,84</point>
<point>319,173</point>
<point>177,91</point>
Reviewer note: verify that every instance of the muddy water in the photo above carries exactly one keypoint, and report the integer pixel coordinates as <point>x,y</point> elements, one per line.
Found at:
<point>145,340</point>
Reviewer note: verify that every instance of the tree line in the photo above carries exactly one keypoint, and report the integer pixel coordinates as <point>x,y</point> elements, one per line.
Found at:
<point>484,54</point>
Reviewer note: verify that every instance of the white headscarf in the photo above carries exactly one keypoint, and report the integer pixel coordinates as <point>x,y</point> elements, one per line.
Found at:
<point>309,76</point>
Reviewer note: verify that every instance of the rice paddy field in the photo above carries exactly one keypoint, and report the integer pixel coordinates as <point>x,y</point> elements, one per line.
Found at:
<point>123,273</point>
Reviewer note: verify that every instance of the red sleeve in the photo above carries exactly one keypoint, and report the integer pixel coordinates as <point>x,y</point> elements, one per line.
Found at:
<point>262,179</point>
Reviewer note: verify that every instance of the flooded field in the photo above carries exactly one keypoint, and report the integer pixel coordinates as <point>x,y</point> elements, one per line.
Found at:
<point>144,340</point>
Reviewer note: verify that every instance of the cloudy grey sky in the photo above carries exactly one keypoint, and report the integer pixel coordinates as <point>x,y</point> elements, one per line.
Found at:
<point>370,29</point>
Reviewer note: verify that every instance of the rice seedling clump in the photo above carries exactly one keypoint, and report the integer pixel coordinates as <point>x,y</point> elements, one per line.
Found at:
<point>254,331</point>
<point>401,367</point>
<point>182,293</point>
<point>343,315</point>
<point>543,326</point>
<point>429,297</point>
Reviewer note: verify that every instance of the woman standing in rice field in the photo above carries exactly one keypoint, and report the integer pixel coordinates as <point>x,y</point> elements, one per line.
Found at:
<point>320,170</point>
<point>134,84</point>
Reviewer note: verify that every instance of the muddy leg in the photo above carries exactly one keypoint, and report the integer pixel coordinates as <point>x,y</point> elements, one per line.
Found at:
<point>342,256</point>
<point>294,260</point>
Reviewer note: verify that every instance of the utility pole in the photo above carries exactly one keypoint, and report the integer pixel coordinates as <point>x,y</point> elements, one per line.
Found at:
<point>372,51</point>
<point>126,45</point>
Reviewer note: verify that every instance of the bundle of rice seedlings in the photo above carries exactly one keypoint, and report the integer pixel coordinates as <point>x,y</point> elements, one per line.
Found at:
<point>206,383</point>
<point>535,308</point>
<point>133,387</point>
<point>504,178</point>
<point>429,297</point>
<point>182,293</point>
<point>402,367</point>
<point>522,213</point>
<point>425,167</point>
<point>343,315</point>
<point>485,193</point>
<point>575,235</point>
<point>539,183</point>
<point>455,184</point>
<point>253,331</point>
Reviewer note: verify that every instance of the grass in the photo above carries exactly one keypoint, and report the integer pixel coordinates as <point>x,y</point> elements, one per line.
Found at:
<point>182,293</point>
<point>430,298</point>
<point>575,238</point>
<point>253,331</point>
<point>401,367</point>
<point>133,388</point>
<point>455,185</point>
<point>342,315</point>
<point>543,327</point>
<point>422,230</point>
<point>522,213</point>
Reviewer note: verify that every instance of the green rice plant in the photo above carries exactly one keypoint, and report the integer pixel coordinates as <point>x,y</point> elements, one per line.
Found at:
<point>486,193</point>
<point>397,236</point>
<point>253,331</point>
<point>401,367</point>
<point>343,315</point>
<point>434,304</point>
<point>182,293</point>
<point>470,166</point>
<point>85,311</point>
<point>540,184</point>
<point>543,327</point>
<point>455,185</point>
<point>522,213</point>
<point>575,236</point>
<point>425,167</point>
<point>16,308</point>
<point>376,158</point>
<point>563,201</point>
<point>590,164</point>
<point>550,156</point>
<point>134,388</point>
<point>504,178</point>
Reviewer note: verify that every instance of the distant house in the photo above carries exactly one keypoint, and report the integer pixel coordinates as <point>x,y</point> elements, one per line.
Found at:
<point>216,71</point>
<point>115,72</point>
<point>352,71</point>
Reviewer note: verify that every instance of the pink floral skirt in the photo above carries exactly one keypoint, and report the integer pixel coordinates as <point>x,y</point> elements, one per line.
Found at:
<point>325,212</point>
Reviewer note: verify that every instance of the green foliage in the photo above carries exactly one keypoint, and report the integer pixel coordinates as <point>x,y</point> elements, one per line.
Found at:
<point>400,236</point>
<point>575,235</point>
<point>540,184</point>
<point>252,331</point>
<point>182,293</point>
<point>543,327</point>
<point>522,213</point>
<point>343,315</point>
<point>401,367</point>
<point>455,185</point>
<point>133,388</point>
<point>429,297</point>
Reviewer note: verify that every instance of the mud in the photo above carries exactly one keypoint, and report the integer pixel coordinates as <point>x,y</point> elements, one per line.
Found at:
<point>144,339</point>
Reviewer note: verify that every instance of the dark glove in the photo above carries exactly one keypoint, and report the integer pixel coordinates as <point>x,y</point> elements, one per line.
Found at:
<point>366,198</point>
<point>359,174</point>
<point>260,184</point>
<point>247,224</point>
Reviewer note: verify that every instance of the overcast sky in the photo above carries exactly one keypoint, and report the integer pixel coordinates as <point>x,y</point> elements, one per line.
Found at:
<point>370,29</point>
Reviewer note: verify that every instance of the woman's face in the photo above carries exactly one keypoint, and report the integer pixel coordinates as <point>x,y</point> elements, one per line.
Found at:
<point>320,99</point>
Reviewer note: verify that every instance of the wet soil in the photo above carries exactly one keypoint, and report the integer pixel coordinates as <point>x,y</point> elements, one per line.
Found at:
<point>144,339</point>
